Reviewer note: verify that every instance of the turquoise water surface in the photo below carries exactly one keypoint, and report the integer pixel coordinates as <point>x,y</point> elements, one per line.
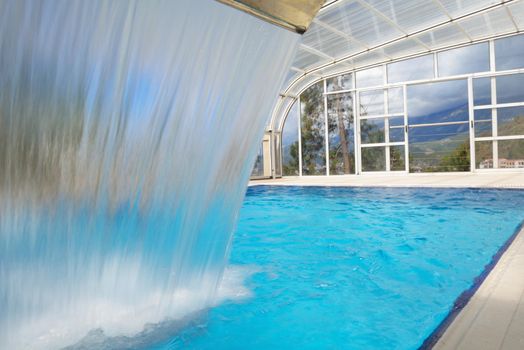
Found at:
<point>353,268</point>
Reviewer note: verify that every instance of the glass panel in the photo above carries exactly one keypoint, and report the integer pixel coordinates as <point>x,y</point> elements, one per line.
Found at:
<point>372,103</point>
<point>510,88</point>
<point>258,168</point>
<point>395,100</point>
<point>484,154</point>
<point>509,53</point>
<point>313,130</point>
<point>341,82</point>
<point>464,60</point>
<point>438,102</point>
<point>397,158</point>
<point>370,77</point>
<point>373,158</point>
<point>483,123</point>
<point>396,129</point>
<point>372,130</point>
<point>413,69</point>
<point>277,143</point>
<point>511,153</point>
<point>482,91</point>
<point>510,121</point>
<point>290,143</point>
<point>341,134</point>
<point>439,148</point>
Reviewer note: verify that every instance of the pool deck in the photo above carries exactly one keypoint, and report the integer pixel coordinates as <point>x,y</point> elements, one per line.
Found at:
<point>494,316</point>
<point>455,180</point>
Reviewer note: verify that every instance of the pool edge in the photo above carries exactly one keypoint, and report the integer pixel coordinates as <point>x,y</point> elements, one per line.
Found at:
<point>464,298</point>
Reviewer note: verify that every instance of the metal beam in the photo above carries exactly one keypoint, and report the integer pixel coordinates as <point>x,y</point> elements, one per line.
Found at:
<point>294,15</point>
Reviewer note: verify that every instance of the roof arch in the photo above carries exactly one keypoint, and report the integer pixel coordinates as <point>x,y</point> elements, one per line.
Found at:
<point>348,35</point>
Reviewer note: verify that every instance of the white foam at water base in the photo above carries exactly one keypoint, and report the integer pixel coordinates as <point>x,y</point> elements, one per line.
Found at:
<point>115,319</point>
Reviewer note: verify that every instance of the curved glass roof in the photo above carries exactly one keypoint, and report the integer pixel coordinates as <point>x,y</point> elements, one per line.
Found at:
<point>352,34</point>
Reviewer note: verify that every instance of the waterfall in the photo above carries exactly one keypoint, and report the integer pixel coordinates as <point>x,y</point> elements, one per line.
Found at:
<point>128,130</point>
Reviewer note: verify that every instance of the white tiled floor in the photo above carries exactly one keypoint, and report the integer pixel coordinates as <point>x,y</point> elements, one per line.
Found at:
<point>491,180</point>
<point>494,317</point>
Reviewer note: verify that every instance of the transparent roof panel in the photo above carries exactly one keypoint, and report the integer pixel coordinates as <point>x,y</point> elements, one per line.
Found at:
<point>329,42</point>
<point>448,34</point>
<point>291,75</point>
<point>357,34</point>
<point>404,47</point>
<point>458,8</point>
<point>359,22</point>
<point>305,59</point>
<point>410,15</point>
<point>490,23</point>
<point>367,59</point>
<point>517,12</point>
<point>286,103</point>
<point>334,69</point>
<point>304,82</point>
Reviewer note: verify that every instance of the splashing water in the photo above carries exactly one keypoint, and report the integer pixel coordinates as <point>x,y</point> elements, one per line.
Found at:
<point>127,133</point>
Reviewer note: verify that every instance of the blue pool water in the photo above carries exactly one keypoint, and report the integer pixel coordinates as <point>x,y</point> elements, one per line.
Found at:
<point>345,268</point>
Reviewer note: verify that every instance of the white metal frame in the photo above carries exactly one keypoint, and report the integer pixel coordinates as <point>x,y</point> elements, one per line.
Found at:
<point>494,106</point>
<point>387,144</point>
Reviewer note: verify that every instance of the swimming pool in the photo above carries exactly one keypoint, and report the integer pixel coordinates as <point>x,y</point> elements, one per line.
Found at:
<point>353,268</point>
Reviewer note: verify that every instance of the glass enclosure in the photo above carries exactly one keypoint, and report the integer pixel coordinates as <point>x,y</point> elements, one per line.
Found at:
<point>341,133</point>
<point>438,119</point>
<point>450,111</point>
<point>290,146</point>
<point>313,130</point>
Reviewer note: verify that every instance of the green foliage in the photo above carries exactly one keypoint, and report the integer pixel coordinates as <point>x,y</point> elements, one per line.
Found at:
<point>397,158</point>
<point>312,130</point>
<point>341,129</point>
<point>291,167</point>
<point>457,160</point>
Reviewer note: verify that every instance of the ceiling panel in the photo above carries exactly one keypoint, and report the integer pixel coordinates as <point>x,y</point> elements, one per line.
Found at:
<point>487,24</point>
<point>457,8</point>
<point>404,47</point>
<point>347,28</point>
<point>334,69</point>
<point>305,59</point>
<point>368,58</point>
<point>329,42</point>
<point>411,15</point>
<point>360,23</point>
<point>291,75</point>
<point>449,34</point>
<point>517,11</point>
